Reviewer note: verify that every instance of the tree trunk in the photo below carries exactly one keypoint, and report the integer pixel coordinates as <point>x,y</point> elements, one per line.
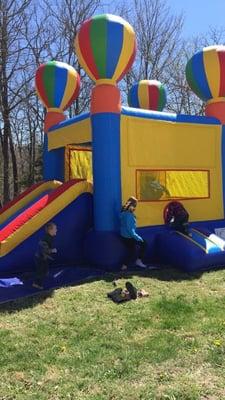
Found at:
<point>14,166</point>
<point>33,157</point>
<point>5,150</point>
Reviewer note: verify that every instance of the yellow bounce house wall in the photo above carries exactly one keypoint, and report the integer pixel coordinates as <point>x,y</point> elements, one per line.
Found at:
<point>153,146</point>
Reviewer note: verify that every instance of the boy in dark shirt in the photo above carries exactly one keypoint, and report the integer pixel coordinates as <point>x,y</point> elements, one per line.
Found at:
<point>43,255</point>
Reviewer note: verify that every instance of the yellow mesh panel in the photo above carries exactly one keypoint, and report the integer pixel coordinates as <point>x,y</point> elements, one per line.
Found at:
<point>164,185</point>
<point>79,163</point>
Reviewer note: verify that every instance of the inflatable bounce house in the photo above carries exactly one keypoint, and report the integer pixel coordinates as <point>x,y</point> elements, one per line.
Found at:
<point>94,161</point>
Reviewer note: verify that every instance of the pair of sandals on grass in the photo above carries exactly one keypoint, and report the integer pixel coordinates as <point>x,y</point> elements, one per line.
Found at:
<point>120,295</point>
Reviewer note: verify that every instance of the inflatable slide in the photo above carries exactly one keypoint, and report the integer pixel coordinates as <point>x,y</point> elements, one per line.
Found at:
<point>26,199</point>
<point>22,223</point>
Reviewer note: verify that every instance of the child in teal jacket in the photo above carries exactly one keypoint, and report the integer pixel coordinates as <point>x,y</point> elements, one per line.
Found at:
<point>129,236</point>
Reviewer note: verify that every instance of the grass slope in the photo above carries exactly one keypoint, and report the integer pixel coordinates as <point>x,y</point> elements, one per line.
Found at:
<point>76,344</point>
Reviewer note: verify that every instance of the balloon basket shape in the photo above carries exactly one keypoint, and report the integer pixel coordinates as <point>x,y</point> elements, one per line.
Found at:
<point>216,109</point>
<point>105,98</point>
<point>53,118</point>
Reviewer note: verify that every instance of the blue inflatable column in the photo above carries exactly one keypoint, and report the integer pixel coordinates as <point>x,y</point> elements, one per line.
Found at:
<point>105,119</point>
<point>53,162</point>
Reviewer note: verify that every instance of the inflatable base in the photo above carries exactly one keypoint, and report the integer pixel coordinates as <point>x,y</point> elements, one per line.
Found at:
<point>20,286</point>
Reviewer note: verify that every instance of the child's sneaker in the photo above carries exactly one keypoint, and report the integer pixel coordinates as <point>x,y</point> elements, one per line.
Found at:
<point>132,290</point>
<point>124,267</point>
<point>36,286</point>
<point>139,263</point>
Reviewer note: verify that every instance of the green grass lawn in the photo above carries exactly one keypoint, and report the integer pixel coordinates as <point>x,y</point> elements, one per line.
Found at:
<point>76,344</point>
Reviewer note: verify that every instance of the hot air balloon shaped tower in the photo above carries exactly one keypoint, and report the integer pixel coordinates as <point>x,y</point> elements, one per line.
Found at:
<point>106,47</point>
<point>205,73</point>
<point>148,95</point>
<point>57,86</point>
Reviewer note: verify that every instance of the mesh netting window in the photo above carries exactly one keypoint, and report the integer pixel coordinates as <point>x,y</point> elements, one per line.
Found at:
<point>80,163</point>
<point>154,185</point>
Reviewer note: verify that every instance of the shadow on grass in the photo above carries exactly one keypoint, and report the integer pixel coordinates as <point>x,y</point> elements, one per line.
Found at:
<point>32,299</point>
<point>165,273</point>
<point>22,303</point>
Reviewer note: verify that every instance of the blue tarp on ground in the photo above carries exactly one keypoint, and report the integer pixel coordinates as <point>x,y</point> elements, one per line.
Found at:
<point>14,287</point>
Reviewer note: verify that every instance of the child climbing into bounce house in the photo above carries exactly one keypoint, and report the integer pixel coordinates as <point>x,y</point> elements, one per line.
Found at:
<point>129,236</point>
<point>176,216</point>
<point>43,255</point>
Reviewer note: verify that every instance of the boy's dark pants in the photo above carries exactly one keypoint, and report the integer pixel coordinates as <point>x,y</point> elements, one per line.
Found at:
<point>131,245</point>
<point>42,269</point>
<point>181,224</point>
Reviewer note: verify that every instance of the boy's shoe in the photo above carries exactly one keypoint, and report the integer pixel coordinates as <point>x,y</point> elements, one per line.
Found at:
<point>139,263</point>
<point>124,267</point>
<point>132,290</point>
<point>36,286</point>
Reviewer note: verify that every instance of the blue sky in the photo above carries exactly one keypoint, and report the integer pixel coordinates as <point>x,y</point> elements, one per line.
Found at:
<point>200,14</point>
